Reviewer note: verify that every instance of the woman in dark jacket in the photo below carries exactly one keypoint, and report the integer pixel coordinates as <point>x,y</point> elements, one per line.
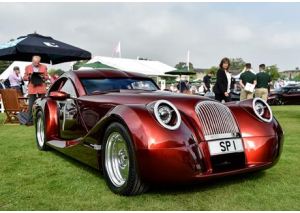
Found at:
<point>224,81</point>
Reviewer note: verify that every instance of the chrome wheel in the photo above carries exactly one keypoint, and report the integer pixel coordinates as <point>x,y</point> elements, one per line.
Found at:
<point>40,131</point>
<point>117,159</point>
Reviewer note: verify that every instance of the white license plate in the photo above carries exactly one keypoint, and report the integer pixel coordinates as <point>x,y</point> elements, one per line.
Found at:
<point>225,146</point>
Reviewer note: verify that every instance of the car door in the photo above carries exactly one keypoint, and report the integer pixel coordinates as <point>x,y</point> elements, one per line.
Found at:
<point>70,122</point>
<point>291,96</point>
<point>297,96</point>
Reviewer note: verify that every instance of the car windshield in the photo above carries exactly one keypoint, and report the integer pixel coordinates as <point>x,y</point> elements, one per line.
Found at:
<point>281,89</point>
<point>93,86</point>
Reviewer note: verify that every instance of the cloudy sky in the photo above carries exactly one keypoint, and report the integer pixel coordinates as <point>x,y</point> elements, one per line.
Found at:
<point>258,32</point>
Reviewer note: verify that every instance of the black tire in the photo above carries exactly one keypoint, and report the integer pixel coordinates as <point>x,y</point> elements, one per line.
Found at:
<point>133,184</point>
<point>40,134</point>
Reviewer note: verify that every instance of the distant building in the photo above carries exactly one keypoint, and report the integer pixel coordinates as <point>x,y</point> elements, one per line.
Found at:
<point>290,74</point>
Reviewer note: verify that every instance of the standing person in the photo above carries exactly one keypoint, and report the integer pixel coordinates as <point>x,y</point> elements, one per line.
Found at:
<point>173,88</point>
<point>188,87</point>
<point>15,79</point>
<point>36,73</point>
<point>263,81</point>
<point>247,83</point>
<point>224,81</point>
<point>182,87</point>
<point>207,81</point>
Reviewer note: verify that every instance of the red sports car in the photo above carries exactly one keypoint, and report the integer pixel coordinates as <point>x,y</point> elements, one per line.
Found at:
<point>120,123</point>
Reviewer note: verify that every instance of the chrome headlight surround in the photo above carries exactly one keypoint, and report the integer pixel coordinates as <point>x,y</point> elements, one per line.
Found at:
<point>261,108</point>
<point>167,114</point>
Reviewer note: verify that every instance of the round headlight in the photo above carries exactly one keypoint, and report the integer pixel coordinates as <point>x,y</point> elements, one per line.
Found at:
<point>262,110</point>
<point>259,108</point>
<point>167,114</point>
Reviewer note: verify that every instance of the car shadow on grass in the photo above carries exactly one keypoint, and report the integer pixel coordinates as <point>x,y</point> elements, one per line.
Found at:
<point>77,163</point>
<point>168,189</point>
<point>208,185</point>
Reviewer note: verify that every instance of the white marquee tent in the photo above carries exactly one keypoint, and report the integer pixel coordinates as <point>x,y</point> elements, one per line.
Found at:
<point>150,68</point>
<point>20,64</point>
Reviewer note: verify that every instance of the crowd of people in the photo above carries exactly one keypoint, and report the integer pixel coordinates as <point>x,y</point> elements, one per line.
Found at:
<point>250,84</point>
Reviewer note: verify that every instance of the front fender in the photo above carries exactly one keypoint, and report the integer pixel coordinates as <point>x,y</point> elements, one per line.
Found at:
<point>262,141</point>
<point>178,148</point>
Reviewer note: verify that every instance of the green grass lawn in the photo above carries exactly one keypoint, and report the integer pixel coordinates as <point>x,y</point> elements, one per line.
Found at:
<point>35,180</point>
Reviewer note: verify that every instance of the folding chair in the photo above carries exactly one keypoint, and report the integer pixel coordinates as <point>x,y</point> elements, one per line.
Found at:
<point>12,106</point>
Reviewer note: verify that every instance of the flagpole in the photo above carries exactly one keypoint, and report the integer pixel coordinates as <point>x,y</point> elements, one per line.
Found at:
<point>188,60</point>
<point>120,56</point>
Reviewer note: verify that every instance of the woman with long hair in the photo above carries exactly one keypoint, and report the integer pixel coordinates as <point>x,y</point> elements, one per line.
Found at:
<point>223,83</point>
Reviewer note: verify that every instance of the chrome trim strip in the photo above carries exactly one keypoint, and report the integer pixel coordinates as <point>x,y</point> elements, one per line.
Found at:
<point>266,105</point>
<point>221,136</point>
<point>96,146</point>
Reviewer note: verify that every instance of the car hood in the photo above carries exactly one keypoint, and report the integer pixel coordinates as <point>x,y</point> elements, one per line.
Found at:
<point>142,97</point>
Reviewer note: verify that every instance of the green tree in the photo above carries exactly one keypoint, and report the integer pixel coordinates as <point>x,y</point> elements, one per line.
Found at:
<point>182,65</point>
<point>78,64</point>
<point>212,70</point>
<point>4,65</point>
<point>296,78</point>
<point>273,71</point>
<point>53,72</point>
<point>237,63</point>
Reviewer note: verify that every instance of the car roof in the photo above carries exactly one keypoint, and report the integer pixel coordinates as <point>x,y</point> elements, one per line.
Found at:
<point>106,73</point>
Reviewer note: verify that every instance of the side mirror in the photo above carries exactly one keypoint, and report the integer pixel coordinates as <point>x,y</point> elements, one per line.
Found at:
<point>59,95</point>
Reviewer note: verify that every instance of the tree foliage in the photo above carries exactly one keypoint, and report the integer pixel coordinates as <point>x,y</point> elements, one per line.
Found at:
<point>4,65</point>
<point>182,65</point>
<point>78,64</point>
<point>53,72</point>
<point>237,64</point>
<point>273,71</point>
<point>296,78</point>
<point>213,70</point>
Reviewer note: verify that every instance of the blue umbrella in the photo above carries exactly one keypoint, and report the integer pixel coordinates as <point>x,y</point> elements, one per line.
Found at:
<point>50,50</point>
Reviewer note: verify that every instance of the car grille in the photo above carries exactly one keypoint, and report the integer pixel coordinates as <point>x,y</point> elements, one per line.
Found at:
<point>216,120</point>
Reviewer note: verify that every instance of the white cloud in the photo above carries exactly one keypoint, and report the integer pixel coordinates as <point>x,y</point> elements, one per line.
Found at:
<point>238,33</point>
<point>286,40</point>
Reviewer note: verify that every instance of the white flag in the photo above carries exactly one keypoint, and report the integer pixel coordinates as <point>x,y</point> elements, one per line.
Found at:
<point>188,60</point>
<point>117,50</point>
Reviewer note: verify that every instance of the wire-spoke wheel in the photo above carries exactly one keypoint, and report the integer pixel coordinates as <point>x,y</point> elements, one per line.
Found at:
<point>119,162</point>
<point>40,131</point>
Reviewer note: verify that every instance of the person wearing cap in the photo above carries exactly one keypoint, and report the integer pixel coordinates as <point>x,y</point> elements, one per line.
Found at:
<point>263,82</point>
<point>15,79</point>
<point>36,73</point>
<point>247,83</point>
